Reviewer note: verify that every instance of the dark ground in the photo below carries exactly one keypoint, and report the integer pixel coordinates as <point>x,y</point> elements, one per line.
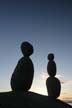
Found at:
<point>29,100</point>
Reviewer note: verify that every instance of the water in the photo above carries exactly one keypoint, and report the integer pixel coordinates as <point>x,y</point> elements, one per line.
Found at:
<point>70,104</point>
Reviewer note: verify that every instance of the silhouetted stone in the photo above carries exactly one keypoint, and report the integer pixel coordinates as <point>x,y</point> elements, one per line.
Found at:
<point>51,67</point>
<point>53,87</point>
<point>53,84</point>
<point>51,56</point>
<point>29,100</point>
<point>22,76</point>
<point>26,48</point>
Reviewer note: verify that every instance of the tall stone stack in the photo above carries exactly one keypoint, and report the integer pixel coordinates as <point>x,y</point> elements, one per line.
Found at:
<point>22,77</point>
<point>52,83</point>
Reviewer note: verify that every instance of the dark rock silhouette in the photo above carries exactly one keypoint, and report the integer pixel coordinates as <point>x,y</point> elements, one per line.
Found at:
<point>29,100</point>
<point>22,76</point>
<point>51,67</point>
<point>21,81</point>
<point>53,87</point>
<point>53,84</point>
<point>51,56</point>
<point>27,49</point>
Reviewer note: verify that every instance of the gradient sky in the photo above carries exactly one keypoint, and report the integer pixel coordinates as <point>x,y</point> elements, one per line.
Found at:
<point>47,24</point>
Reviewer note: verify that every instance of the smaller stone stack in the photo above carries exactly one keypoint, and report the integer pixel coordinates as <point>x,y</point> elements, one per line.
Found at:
<point>52,83</point>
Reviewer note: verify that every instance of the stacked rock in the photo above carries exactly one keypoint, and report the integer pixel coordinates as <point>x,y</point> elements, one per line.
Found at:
<point>52,83</point>
<point>22,77</point>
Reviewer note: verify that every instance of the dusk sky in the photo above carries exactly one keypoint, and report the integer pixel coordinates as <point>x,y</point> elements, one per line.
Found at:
<point>47,25</point>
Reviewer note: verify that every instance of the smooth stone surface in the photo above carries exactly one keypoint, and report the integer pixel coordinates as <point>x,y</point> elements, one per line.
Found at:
<point>29,100</point>
<point>51,68</point>
<point>51,57</point>
<point>26,48</point>
<point>22,77</point>
<point>53,87</point>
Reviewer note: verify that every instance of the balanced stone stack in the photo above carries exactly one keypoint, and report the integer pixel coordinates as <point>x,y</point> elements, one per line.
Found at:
<point>52,83</point>
<point>22,77</point>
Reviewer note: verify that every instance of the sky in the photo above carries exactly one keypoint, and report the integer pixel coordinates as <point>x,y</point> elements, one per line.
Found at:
<point>47,25</point>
